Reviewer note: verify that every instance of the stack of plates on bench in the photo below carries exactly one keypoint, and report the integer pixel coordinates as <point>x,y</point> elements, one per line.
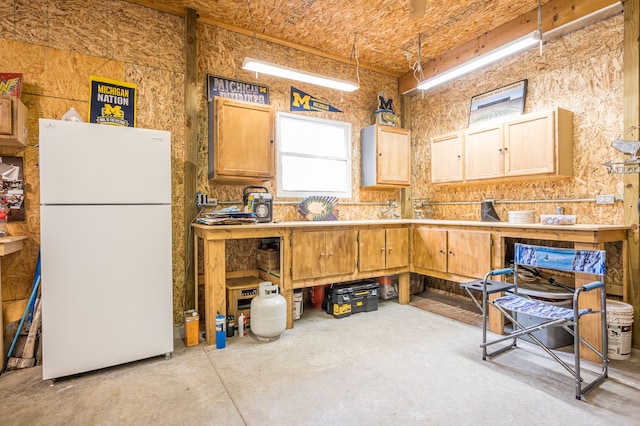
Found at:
<point>521,216</point>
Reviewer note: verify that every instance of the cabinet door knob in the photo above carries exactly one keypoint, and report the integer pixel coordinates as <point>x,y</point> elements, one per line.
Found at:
<point>330,253</point>
<point>390,248</point>
<point>382,250</point>
<point>499,149</point>
<point>321,254</point>
<point>441,251</point>
<point>505,148</point>
<point>450,252</point>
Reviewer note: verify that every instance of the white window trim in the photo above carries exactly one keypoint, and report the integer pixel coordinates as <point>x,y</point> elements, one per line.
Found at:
<point>345,126</point>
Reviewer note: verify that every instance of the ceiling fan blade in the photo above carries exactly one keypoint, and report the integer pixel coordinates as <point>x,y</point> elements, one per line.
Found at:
<point>417,8</point>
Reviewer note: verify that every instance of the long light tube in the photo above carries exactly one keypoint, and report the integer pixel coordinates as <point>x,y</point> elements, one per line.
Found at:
<point>482,60</point>
<point>263,67</point>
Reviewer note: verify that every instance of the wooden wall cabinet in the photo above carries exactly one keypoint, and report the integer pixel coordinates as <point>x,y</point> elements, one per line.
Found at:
<point>13,122</point>
<point>386,156</point>
<point>242,147</point>
<point>532,146</point>
<point>383,248</point>
<point>484,152</point>
<point>539,144</point>
<point>323,253</point>
<point>455,254</point>
<point>448,150</point>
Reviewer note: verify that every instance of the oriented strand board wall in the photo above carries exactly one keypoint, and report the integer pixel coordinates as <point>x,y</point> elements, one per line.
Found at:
<point>574,72</point>
<point>57,45</point>
<point>221,52</point>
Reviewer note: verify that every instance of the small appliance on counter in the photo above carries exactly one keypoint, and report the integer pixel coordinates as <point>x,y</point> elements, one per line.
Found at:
<point>260,203</point>
<point>487,212</point>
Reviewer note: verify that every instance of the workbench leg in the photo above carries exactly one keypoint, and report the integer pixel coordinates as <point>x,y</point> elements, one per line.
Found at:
<point>214,287</point>
<point>590,328</point>
<point>404,290</point>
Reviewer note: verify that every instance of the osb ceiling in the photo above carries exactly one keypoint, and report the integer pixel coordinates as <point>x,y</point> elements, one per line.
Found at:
<point>385,33</point>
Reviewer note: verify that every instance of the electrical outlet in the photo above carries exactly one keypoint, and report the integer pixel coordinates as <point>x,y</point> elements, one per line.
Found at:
<point>605,199</point>
<point>201,199</point>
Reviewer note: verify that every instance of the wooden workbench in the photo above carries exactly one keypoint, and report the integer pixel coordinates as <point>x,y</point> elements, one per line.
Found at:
<point>583,236</point>
<point>8,245</point>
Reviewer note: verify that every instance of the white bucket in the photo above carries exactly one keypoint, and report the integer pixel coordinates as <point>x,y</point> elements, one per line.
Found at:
<point>298,305</point>
<point>619,323</point>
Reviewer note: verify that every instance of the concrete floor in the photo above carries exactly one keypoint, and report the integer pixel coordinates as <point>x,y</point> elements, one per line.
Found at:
<point>398,365</point>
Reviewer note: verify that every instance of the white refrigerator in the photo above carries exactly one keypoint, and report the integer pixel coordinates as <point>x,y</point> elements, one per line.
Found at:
<point>105,229</point>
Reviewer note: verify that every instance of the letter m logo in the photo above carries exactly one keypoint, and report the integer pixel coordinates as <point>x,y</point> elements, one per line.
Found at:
<point>301,101</point>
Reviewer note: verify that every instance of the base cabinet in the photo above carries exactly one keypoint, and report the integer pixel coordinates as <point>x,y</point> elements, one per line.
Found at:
<point>383,249</point>
<point>323,253</point>
<point>453,252</point>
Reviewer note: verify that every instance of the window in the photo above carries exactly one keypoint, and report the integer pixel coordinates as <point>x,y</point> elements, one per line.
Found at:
<point>314,156</point>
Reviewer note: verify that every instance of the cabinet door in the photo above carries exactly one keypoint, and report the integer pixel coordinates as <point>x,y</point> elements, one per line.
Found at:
<point>13,122</point>
<point>372,249</point>
<point>446,158</point>
<point>430,249</point>
<point>393,156</point>
<point>469,253</point>
<point>530,145</point>
<point>340,252</point>
<point>308,255</point>
<point>243,140</point>
<point>397,245</point>
<point>483,152</point>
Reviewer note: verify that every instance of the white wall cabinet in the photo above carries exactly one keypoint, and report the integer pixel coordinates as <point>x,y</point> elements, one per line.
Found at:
<point>386,156</point>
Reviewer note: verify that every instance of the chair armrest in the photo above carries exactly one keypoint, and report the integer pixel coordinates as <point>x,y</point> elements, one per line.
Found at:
<point>592,286</point>
<point>500,272</point>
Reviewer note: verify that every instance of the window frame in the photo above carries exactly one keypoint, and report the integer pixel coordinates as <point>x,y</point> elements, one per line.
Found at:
<point>344,126</point>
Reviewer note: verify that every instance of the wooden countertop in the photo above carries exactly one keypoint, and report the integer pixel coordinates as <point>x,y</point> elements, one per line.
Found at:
<point>11,244</point>
<point>309,224</point>
<point>576,227</point>
<point>473,223</point>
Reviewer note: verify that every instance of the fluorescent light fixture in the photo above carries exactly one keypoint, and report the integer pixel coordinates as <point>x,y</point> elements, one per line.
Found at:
<point>293,74</point>
<point>482,60</point>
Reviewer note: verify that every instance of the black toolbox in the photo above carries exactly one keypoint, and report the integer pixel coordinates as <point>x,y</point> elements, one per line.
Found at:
<point>349,298</point>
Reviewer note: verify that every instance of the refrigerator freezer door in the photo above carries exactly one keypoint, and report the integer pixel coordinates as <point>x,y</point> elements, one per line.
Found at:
<point>84,163</point>
<point>106,286</point>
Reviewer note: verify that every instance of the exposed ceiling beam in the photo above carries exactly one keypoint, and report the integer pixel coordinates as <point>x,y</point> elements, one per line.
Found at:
<point>555,14</point>
<point>179,11</point>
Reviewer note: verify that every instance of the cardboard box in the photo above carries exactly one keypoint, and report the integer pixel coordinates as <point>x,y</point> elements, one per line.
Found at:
<point>191,328</point>
<point>268,260</point>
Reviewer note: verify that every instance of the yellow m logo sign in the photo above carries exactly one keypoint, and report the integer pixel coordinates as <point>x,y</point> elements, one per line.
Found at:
<point>112,111</point>
<point>301,101</point>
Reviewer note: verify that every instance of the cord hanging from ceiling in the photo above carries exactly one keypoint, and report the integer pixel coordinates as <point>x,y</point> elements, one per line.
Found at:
<point>540,24</point>
<point>354,56</point>
<point>416,67</point>
<point>255,34</point>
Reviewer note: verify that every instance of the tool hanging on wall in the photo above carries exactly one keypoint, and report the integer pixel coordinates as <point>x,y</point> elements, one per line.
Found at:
<point>30,304</point>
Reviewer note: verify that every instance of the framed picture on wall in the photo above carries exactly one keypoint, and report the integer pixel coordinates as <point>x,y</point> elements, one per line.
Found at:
<point>498,103</point>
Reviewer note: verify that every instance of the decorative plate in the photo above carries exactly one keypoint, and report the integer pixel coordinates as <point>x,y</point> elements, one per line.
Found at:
<point>319,207</point>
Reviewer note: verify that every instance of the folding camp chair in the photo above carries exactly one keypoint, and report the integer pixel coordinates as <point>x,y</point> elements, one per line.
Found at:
<point>528,257</point>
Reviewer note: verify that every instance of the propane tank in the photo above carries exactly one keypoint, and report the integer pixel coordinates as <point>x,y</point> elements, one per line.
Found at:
<point>268,312</point>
